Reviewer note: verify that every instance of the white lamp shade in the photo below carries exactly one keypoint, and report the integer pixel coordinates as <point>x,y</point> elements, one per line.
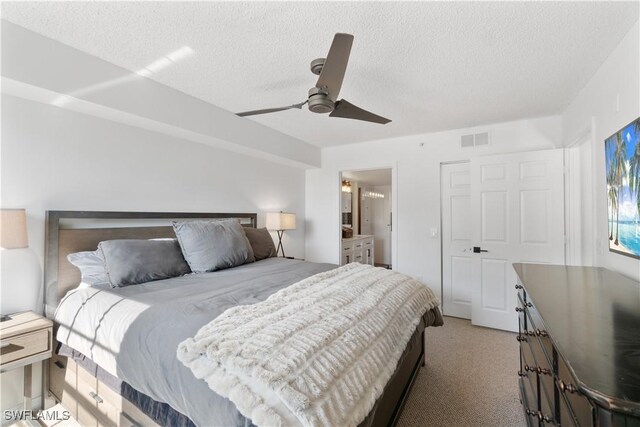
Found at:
<point>20,274</point>
<point>281,221</point>
<point>13,229</point>
<point>20,281</point>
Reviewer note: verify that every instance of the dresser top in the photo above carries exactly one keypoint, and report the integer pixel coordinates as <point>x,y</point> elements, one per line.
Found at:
<point>593,317</point>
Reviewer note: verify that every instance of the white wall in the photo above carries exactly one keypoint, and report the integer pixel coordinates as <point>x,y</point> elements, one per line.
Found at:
<point>608,102</point>
<point>55,159</point>
<point>416,187</point>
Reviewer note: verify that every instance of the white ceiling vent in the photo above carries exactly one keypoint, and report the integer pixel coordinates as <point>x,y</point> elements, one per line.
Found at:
<point>475,140</point>
<point>466,141</point>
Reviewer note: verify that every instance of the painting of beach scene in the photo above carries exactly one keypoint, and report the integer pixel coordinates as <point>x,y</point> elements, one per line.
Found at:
<point>622,154</point>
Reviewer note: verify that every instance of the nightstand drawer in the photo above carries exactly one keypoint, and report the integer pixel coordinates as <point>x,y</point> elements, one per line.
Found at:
<point>25,345</point>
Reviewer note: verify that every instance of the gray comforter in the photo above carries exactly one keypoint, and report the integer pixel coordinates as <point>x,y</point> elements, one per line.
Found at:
<point>133,332</point>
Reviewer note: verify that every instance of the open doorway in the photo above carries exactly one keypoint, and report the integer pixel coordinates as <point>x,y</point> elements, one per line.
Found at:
<point>366,214</point>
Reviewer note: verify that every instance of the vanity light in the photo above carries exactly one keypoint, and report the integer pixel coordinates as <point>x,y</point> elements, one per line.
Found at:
<point>373,195</point>
<point>346,186</point>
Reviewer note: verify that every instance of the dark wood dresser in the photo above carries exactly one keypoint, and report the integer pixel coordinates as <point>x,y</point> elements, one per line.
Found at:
<point>579,346</point>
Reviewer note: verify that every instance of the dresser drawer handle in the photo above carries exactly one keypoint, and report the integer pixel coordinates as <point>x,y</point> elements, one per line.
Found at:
<point>530,368</point>
<point>529,305</point>
<point>521,374</point>
<point>532,412</point>
<point>519,309</point>
<point>543,371</point>
<point>518,287</point>
<point>541,333</point>
<point>96,397</point>
<point>544,418</point>
<point>567,388</point>
<point>530,333</point>
<point>520,338</point>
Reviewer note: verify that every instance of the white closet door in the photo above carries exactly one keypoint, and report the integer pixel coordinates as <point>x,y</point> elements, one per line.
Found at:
<point>517,206</point>
<point>382,224</point>
<point>456,240</point>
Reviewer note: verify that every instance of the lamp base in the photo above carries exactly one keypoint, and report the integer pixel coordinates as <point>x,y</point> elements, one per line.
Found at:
<point>280,247</point>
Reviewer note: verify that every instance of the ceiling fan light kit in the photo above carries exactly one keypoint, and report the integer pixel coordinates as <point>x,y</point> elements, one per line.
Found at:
<point>322,98</point>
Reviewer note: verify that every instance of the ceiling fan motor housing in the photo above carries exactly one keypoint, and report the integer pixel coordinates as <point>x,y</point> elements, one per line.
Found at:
<point>319,101</point>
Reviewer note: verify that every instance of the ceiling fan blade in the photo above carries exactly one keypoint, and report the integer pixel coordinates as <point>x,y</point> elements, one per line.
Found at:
<point>346,110</point>
<point>335,65</point>
<point>271,110</point>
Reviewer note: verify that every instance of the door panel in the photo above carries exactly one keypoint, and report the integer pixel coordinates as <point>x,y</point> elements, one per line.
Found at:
<point>494,214</point>
<point>456,240</point>
<point>461,280</point>
<point>494,295</point>
<point>517,211</point>
<point>495,172</point>
<point>460,225</point>
<point>537,169</point>
<point>533,227</point>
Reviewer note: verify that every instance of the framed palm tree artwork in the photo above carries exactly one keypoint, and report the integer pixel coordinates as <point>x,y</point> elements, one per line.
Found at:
<point>622,154</point>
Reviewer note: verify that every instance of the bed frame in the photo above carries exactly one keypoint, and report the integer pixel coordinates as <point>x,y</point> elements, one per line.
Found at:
<point>75,231</point>
<point>94,403</point>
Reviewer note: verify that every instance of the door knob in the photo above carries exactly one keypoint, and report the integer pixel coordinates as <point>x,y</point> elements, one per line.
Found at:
<point>477,250</point>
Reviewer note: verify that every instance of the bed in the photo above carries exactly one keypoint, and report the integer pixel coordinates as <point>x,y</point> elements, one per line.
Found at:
<point>117,365</point>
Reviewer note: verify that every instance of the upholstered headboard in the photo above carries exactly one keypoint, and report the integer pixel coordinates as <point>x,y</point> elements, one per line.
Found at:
<point>74,231</point>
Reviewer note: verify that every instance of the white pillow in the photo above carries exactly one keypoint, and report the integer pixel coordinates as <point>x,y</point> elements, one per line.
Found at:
<point>92,267</point>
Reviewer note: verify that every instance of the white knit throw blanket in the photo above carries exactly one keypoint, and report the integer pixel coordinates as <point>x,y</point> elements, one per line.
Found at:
<point>317,353</point>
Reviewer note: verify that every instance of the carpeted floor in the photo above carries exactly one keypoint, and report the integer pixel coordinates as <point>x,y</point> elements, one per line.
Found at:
<point>469,380</point>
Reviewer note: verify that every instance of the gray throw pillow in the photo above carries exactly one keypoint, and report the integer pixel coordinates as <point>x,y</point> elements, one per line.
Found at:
<point>261,242</point>
<point>91,266</point>
<point>129,262</point>
<point>213,245</point>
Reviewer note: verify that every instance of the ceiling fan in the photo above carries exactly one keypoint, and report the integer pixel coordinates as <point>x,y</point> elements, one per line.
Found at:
<point>323,97</point>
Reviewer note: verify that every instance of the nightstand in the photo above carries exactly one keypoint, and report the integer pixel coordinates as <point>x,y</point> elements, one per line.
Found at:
<point>24,340</point>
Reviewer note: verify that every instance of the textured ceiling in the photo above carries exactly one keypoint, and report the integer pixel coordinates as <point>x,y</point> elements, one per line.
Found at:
<point>428,66</point>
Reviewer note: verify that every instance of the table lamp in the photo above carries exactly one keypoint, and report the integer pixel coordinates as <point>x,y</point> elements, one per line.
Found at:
<point>20,274</point>
<point>280,221</point>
